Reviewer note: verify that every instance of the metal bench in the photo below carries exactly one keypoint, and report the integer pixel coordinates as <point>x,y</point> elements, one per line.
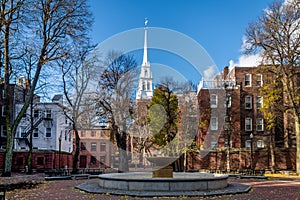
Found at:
<point>81,176</point>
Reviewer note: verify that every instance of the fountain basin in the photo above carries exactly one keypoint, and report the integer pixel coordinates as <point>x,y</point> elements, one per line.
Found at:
<point>143,181</point>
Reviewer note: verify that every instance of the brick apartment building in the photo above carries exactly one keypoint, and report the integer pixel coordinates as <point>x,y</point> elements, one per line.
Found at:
<point>96,149</point>
<point>230,114</point>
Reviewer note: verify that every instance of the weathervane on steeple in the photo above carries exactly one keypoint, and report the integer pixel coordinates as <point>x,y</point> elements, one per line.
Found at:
<point>146,22</point>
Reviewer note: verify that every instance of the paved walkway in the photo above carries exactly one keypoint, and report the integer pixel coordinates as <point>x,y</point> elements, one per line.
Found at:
<point>65,189</point>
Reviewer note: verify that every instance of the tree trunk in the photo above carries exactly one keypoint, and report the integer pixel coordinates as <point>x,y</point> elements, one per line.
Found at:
<point>77,151</point>
<point>8,121</point>
<point>272,152</point>
<point>122,147</point>
<point>297,131</point>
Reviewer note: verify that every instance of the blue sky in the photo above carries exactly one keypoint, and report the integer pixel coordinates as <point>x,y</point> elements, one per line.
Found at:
<point>217,25</point>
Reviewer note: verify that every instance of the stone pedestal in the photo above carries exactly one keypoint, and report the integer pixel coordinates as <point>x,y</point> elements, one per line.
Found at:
<point>163,172</point>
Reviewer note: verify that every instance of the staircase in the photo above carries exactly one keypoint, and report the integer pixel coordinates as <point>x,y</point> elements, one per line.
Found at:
<point>36,122</point>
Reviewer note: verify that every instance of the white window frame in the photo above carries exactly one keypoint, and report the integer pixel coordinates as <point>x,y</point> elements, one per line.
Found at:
<point>82,134</point>
<point>35,130</point>
<point>259,124</point>
<point>259,80</point>
<point>260,144</point>
<point>213,145</point>
<point>248,102</point>
<point>259,102</point>
<point>93,146</point>
<point>229,102</point>
<point>248,143</point>
<point>3,131</point>
<point>214,123</point>
<point>48,114</point>
<point>4,111</point>
<point>47,131</point>
<point>248,124</point>
<point>213,100</point>
<point>248,78</point>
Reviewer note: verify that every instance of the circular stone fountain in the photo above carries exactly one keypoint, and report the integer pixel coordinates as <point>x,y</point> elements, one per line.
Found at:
<point>163,179</point>
<point>143,181</point>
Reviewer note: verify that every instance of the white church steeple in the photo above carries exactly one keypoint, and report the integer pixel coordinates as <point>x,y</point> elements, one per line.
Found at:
<point>145,90</point>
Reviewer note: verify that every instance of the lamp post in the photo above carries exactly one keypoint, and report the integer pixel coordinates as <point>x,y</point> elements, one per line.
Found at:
<point>251,152</point>
<point>59,150</point>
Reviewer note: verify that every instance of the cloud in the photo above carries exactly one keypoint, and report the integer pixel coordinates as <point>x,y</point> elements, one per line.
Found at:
<point>246,61</point>
<point>209,73</point>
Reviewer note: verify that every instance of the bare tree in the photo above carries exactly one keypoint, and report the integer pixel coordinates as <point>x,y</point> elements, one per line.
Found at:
<point>115,99</point>
<point>276,36</point>
<point>77,73</point>
<point>50,26</point>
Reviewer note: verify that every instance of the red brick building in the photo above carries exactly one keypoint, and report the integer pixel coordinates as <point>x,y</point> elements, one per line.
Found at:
<point>230,114</point>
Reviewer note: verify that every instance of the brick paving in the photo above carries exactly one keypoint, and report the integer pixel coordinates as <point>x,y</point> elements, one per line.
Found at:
<point>65,189</point>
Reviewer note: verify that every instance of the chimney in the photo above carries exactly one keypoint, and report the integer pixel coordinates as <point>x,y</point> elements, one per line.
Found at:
<point>225,72</point>
<point>58,98</point>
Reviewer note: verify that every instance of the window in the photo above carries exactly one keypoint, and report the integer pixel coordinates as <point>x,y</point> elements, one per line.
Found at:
<point>214,123</point>
<point>248,102</point>
<point>48,132</point>
<point>227,120</point>
<point>148,85</point>
<point>36,132</point>
<point>4,111</point>
<point>260,144</point>
<point>259,102</point>
<point>48,113</point>
<point>40,160</point>
<point>102,159</point>
<point>213,101</point>
<point>93,134</point>
<point>248,144</point>
<point>248,124</point>
<point>102,134</point>
<point>213,145</point>
<point>93,160</point>
<point>103,146</point>
<point>83,146</point>
<point>146,73</point>
<point>247,80</point>
<point>259,124</point>
<point>3,130</point>
<point>93,146</point>
<point>66,135</point>
<point>227,101</point>
<point>66,120</point>
<point>144,86</point>
<point>36,113</point>
<point>226,144</point>
<point>259,81</point>
<point>82,134</point>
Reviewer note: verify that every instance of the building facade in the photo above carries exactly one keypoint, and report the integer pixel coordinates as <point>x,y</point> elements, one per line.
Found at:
<point>233,129</point>
<point>96,149</point>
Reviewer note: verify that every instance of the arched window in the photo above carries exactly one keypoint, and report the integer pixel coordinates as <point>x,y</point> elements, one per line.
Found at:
<point>148,85</point>
<point>144,86</point>
<point>146,73</point>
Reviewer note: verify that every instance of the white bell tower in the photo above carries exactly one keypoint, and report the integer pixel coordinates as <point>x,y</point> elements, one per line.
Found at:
<point>145,90</point>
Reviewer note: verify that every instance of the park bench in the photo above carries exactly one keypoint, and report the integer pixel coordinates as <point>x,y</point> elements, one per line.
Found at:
<point>80,176</point>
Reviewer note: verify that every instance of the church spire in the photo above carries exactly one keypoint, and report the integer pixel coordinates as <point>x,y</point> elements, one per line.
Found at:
<point>145,57</point>
<point>145,89</point>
